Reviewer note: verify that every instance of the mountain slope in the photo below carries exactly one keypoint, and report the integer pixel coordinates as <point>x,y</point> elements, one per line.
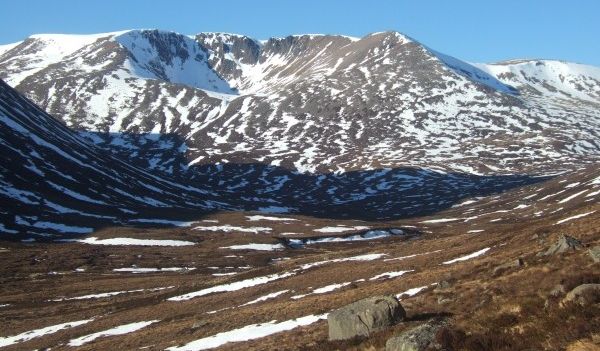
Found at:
<point>55,182</point>
<point>311,103</point>
<point>380,127</point>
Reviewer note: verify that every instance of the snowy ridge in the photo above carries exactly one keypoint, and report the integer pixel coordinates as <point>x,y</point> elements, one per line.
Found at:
<point>474,73</point>
<point>385,100</point>
<point>553,79</point>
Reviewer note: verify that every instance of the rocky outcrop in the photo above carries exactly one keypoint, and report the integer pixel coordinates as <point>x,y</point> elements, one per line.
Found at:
<point>584,295</point>
<point>363,317</point>
<point>594,253</point>
<point>419,338</point>
<point>565,243</point>
<point>509,265</point>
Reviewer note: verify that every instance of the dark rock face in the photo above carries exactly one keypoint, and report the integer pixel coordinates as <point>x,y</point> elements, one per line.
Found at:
<point>420,338</point>
<point>565,243</point>
<point>364,317</point>
<point>226,49</point>
<point>584,295</point>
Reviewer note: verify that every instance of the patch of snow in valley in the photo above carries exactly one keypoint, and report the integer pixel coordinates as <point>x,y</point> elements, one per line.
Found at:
<point>441,220</point>
<point>594,193</point>
<point>130,241</point>
<point>264,298</point>
<point>340,229</point>
<point>109,294</point>
<point>223,274</point>
<point>410,256</point>
<point>268,218</point>
<point>232,286</point>
<point>162,221</point>
<point>367,257</point>
<point>137,270</point>
<point>120,330</point>
<point>571,197</point>
<point>469,256</point>
<point>411,292</point>
<point>26,336</point>
<point>324,289</point>
<point>230,228</point>
<point>249,332</point>
<point>575,217</point>
<point>257,247</point>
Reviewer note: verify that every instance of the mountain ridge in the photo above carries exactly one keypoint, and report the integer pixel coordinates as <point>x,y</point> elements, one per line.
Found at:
<point>298,101</point>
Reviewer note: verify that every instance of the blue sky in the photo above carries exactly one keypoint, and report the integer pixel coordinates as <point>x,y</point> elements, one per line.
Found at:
<point>477,31</point>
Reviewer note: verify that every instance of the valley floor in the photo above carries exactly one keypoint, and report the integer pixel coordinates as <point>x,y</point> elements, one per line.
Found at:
<point>231,281</point>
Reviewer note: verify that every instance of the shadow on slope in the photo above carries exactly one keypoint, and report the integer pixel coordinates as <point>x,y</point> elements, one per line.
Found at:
<point>381,194</point>
<point>384,194</point>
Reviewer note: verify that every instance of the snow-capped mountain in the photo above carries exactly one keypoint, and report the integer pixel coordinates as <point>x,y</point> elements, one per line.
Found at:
<point>312,103</point>
<point>375,127</point>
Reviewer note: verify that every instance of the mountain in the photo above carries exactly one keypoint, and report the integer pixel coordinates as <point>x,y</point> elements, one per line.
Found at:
<point>380,127</point>
<point>310,103</point>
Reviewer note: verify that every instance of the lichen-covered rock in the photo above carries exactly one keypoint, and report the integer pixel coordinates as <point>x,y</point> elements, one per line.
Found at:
<point>565,243</point>
<point>584,295</point>
<point>363,317</point>
<point>558,290</point>
<point>417,339</point>
<point>594,253</point>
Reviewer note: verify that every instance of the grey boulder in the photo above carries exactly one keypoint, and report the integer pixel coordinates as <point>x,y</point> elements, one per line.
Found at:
<point>363,317</point>
<point>565,243</point>
<point>419,338</point>
<point>594,253</point>
<point>584,295</point>
<point>509,265</point>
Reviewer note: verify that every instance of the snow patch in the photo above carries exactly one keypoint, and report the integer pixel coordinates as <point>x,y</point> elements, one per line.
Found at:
<point>26,336</point>
<point>258,247</point>
<point>232,286</point>
<point>575,217</point>
<point>249,332</point>
<point>469,256</point>
<point>130,242</point>
<point>120,330</point>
